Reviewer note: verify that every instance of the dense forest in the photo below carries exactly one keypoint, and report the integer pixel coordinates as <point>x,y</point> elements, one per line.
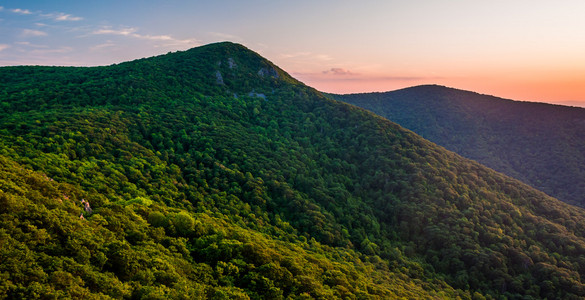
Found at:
<point>211,173</point>
<point>540,144</point>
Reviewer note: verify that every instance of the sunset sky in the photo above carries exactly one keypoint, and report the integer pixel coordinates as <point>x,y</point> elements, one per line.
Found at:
<point>522,50</point>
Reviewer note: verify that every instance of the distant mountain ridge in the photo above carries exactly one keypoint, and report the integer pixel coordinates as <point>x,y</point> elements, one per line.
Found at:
<point>212,174</point>
<point>540,144</point>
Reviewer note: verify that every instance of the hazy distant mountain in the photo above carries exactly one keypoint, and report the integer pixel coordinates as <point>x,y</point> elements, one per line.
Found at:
<point>540,144</point>
<point>211,173</point>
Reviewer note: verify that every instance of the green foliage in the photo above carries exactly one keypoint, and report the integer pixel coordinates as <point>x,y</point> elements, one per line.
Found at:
<point>254,186</point>
<point>540,144</point>
<point>184,223</point>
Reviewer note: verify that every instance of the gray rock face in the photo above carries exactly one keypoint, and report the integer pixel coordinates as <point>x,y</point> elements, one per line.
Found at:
<point>219,78</point>
<point>268,72</point>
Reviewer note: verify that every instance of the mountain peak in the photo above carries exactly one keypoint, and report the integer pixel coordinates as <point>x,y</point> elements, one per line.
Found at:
<point>225,68</point>
<point>435,88</point>
<point>231,65</point>
<point>223,45</point>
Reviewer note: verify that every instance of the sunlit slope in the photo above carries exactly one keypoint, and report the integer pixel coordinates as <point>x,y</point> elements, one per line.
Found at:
<point>261,187</point>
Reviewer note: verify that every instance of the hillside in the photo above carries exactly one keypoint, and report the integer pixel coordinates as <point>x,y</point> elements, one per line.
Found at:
<point>540,144</point>
<point>211,173</point>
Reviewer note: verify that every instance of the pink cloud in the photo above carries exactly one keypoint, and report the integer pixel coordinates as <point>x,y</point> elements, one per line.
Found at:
<point>338,71</point>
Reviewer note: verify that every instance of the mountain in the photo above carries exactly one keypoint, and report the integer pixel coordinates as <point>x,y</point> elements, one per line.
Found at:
<point>211,173</point>
<point>540,144</point>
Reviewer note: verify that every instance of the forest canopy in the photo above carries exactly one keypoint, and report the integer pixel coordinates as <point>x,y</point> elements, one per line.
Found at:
<point>211,173</point>
<point>537,143</point>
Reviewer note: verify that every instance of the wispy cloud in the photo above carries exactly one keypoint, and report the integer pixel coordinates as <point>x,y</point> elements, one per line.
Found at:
<point>108,44</point>
<point>294,55</point>
<point>62,17</point>
<point>33,33</point>
<point>4,46</point>
<point>48,51</point>
<point>124,31</point>
<point>306,55</point>
<point>323,57</point>
<point>156,37</point>
<point>21,11</point>
<point>57,16</point>
<point>132,32</point>
<point>29,44</point>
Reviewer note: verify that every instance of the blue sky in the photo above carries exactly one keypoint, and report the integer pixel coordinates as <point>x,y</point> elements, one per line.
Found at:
<point>525,50</point>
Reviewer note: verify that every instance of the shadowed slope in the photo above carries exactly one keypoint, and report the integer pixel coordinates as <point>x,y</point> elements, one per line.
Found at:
<point>540,144</point>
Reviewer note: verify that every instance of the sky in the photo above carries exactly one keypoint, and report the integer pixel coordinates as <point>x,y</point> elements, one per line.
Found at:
<point>521,50</point>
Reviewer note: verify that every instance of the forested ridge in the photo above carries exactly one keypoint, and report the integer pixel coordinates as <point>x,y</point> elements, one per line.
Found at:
<point>537,143</point>
<point>211,173</point>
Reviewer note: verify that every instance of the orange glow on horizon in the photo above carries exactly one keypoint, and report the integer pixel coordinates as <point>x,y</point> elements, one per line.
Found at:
<point>569,90</point>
